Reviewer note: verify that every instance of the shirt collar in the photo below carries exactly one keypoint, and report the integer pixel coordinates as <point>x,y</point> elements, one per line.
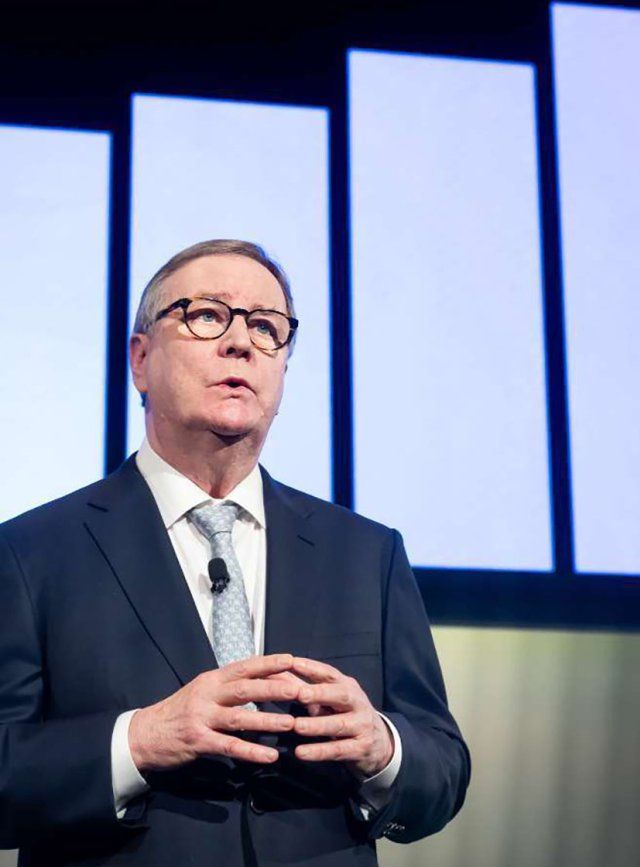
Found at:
<point>175,494</point>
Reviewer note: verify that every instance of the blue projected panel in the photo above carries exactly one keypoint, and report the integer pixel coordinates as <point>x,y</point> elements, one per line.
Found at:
<point>450,400</point>
<point>215,169</point>
<point>597,77</point>
<point>53,282</point>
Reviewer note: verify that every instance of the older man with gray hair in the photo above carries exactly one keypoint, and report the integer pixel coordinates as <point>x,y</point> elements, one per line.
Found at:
<point>198,663</point>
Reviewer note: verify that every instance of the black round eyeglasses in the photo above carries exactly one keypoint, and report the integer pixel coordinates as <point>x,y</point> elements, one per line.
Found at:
<point>209,318</point>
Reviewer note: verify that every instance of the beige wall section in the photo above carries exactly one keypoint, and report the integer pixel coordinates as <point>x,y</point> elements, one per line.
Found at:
<point>552,720</point>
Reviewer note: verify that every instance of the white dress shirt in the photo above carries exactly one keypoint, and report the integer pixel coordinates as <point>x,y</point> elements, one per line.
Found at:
<point>175,496</point>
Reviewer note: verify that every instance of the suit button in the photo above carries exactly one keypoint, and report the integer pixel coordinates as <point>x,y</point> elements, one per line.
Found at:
<point>253,808</point>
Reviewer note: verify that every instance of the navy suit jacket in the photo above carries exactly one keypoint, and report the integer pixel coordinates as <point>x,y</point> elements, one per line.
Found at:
<point>96,618</point>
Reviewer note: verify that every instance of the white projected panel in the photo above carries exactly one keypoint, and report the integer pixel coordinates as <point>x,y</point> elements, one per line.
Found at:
<point>450,401</point>
<point>53,281</point>
<point>597,80</point>
<point>207,169</point>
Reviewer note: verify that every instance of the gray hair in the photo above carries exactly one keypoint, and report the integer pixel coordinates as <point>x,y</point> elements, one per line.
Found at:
<point>151,302</point>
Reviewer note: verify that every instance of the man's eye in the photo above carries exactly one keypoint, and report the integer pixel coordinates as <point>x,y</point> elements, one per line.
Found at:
<point>263,326</point>
<point>205,314</point>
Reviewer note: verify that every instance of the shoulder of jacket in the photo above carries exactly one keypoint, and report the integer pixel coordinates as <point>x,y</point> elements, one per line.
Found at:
<point>332,513</point>
<point>54,512</point>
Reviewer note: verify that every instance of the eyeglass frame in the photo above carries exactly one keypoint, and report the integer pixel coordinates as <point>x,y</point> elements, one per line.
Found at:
<point>183,304</point>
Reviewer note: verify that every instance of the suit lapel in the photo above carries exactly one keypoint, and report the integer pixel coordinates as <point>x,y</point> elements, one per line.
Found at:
<point>293,572</point>
<point>125,523</point>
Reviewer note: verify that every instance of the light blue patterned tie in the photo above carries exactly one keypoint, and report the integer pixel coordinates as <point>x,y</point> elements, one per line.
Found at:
<point>232,633</point>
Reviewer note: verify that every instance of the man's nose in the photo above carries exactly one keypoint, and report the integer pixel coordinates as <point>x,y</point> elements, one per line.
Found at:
<point>236,338</point>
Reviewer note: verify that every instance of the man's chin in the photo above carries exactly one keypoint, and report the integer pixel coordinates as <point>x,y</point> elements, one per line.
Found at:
<point>230,428</point>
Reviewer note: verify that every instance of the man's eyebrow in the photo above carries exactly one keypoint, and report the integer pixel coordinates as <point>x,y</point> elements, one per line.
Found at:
<point>226,296</point>
<point>213,293</point>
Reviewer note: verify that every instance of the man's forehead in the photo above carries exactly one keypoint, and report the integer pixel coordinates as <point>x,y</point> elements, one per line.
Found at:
<point>231,278</point>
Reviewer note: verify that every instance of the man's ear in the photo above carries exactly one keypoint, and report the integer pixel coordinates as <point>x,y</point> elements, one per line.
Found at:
<point>138,350</point>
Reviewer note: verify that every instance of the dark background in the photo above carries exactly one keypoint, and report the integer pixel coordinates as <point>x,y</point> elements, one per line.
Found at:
<point>77,64</point>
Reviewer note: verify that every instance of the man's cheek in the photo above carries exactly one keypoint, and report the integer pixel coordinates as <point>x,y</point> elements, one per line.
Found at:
<point>279,391</point>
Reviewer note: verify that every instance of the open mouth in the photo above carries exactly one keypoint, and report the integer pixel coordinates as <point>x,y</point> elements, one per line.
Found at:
<point>235,382</point>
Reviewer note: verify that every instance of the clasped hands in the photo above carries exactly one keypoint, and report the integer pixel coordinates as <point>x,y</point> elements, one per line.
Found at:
<point>197,720</point>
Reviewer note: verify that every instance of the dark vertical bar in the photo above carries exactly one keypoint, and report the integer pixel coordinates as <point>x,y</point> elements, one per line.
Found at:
<point>341,369</point>
<point>554,310</point>
<point>118,288</point>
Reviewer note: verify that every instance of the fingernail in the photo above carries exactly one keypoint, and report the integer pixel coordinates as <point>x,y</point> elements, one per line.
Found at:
<point>305,694</point>
<point>303,752</point>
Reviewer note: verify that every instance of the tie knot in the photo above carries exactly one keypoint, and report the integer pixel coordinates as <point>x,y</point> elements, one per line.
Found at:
<point>212,519</point>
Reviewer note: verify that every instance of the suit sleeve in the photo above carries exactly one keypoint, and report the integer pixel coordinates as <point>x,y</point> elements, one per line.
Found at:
<point>55,774</point>
<point>434,773</point>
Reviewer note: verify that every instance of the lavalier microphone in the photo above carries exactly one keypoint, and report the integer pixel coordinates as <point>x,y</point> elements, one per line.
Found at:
<point>218,575</point>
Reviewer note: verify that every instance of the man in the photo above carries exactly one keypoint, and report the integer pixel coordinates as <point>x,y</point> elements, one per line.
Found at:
<point>199,664</point>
